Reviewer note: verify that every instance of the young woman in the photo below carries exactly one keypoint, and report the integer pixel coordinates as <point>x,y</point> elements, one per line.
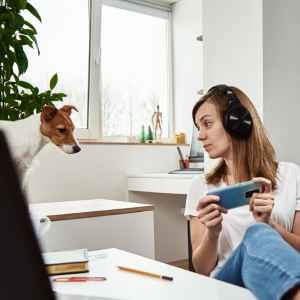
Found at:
<point>255,246</point>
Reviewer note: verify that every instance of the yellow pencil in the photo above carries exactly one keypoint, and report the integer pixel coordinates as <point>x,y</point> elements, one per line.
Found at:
<point>145,273</point>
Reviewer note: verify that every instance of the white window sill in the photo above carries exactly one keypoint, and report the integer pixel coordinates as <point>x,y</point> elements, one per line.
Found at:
<point>120,142</point>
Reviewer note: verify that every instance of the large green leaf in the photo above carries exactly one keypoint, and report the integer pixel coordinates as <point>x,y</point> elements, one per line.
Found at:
<point>29,32</point>
<point>25,85</point>
<point>36,43</point>
<point>33,11</point>
<point>17,4</point>
<point>19,21</point>
<point>4,16</point>
<point>53,81</point>
<point>7,68</point>
<point>30,26</point>
<point>59,95</point>
<point>25,40</point>
<point>21,59</point>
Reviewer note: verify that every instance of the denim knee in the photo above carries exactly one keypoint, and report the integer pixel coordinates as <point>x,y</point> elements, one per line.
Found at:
<point>257,230</point>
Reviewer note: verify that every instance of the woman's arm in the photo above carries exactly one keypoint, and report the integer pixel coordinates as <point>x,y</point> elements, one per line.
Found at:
<point>293,238</point>
<point>205,230</point>
<point>204,247</point>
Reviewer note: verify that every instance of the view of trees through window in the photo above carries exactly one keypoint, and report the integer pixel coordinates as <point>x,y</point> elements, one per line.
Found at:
<point>135,70</point>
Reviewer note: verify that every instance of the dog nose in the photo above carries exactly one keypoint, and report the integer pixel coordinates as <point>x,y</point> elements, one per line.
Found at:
<point>76,149</point>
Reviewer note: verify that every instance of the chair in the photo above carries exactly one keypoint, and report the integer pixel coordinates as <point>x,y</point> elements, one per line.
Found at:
<point>190,249</point>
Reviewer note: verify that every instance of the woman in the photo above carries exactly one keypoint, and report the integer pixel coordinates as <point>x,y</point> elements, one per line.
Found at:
<point>254,246</point>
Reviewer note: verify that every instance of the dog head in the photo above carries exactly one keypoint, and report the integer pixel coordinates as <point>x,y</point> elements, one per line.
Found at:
<point>57,125</point>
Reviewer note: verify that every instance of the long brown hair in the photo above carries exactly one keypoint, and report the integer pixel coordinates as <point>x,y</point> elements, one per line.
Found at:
<point>255,155</point>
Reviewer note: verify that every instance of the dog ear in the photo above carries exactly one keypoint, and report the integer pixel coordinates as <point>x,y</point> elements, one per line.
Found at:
<point>48,112</point>
<point>68,109</point>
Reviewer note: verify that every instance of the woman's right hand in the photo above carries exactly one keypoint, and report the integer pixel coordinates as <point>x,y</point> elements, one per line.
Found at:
<point>210,214</point>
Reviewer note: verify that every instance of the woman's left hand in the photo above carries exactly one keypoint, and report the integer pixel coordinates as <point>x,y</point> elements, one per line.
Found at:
<point>261,204</point>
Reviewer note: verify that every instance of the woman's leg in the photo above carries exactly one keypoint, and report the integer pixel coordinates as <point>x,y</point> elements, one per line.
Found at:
<point>264,263</point>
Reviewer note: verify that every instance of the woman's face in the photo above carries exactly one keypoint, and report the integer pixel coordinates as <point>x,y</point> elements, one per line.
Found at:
<point>215,140</point>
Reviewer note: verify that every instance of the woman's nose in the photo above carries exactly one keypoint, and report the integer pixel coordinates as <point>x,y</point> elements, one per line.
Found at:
<point>201,135</point>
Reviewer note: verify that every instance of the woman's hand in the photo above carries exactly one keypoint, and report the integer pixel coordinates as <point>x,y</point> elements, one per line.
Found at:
<point>261,204</point>
<point>210,214</point>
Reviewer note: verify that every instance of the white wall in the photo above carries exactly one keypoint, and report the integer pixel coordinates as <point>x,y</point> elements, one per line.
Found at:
<point>98,171</point>
<point>232,51</point>
<point>188,64</point>
<point>282,76</point>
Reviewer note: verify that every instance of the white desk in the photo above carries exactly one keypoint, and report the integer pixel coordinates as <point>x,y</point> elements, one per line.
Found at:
<point>97,224</point>
<point>124,285</point>
<point>160,183</point>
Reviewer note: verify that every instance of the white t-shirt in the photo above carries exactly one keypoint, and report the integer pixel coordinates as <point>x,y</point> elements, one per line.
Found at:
<point>237,220</point>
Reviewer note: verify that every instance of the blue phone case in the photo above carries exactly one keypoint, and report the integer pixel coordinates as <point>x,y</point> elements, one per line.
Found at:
<point>236,195</point>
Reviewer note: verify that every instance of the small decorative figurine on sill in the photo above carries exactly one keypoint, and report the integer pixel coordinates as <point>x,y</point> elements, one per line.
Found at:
<point>157,123</point>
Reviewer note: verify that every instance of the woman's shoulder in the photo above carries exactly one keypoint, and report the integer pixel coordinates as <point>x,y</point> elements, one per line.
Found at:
<point>288,169</point>
<point>199,182</point>
<point>287,173</point>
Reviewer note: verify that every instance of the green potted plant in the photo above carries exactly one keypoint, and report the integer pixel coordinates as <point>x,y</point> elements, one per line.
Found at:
<point>19,99</point>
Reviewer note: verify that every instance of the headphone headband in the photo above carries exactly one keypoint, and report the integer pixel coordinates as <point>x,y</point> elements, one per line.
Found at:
<point>223,90</point>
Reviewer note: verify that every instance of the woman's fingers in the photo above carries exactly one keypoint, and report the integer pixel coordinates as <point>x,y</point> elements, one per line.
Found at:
<point>263,196</point>
<point>215,221</point>
<point>209,217</point>
<point>263,209</point>
<point>266,183</point>
<point>207,200</point>
<point>211,207</point>
<point>261,199</point>
<point>263,202</point>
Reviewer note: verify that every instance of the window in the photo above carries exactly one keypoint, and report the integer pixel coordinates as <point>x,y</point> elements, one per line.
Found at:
<point>64,49</point>
<point>135,69</point>
<point>113,59</point>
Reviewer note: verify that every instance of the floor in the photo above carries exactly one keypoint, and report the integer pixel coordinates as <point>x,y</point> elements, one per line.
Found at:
<point>184,264</point>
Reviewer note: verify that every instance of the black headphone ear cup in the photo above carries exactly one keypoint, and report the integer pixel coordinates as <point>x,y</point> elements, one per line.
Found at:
<point>237,121</point>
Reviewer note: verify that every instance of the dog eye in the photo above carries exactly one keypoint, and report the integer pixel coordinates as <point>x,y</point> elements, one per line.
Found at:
<point>61,130</point>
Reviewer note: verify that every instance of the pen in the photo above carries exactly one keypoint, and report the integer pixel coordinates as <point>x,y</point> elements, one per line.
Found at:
<point>79,279</point>
<point>145,273</point>
<point>180,153</point>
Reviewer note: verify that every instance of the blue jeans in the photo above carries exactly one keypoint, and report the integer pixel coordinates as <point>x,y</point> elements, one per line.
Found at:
<point>263,263</point>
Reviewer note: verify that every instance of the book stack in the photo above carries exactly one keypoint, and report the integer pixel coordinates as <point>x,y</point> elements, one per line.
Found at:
<point>66,262</point>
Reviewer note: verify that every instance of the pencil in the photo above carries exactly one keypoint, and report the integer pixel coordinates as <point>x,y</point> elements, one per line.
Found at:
<point>146,273</point>
<point>180,153</point>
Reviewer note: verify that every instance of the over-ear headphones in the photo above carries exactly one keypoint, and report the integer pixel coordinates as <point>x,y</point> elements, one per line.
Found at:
<point>237,120</point>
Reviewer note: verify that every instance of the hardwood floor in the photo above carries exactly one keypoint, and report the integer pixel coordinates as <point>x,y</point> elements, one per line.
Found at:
<point>184,264</point>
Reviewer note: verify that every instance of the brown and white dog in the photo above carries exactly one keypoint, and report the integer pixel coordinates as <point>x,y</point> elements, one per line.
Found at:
<point>28,136</point>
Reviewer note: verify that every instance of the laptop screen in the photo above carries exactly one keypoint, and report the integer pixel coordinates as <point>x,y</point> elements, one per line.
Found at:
<point>196,151</point>
<point>23,275</point>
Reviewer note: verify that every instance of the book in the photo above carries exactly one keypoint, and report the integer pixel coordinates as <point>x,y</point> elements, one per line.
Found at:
<point>66,262</point>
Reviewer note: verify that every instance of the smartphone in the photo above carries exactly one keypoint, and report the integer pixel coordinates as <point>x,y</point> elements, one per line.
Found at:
<point>236,195</point>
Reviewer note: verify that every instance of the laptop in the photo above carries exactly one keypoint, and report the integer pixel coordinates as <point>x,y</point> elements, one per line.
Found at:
<point>23,275</point>
<point>187,171</point>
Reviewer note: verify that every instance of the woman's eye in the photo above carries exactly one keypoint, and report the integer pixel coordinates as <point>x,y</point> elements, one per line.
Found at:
<point>61,130</point>
<point>208,124</point>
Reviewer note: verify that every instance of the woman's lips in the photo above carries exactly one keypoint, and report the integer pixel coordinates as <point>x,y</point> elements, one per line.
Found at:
<point>207,147</point>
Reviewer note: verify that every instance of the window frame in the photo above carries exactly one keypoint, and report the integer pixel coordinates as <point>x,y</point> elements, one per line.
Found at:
<point>94,117</point>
